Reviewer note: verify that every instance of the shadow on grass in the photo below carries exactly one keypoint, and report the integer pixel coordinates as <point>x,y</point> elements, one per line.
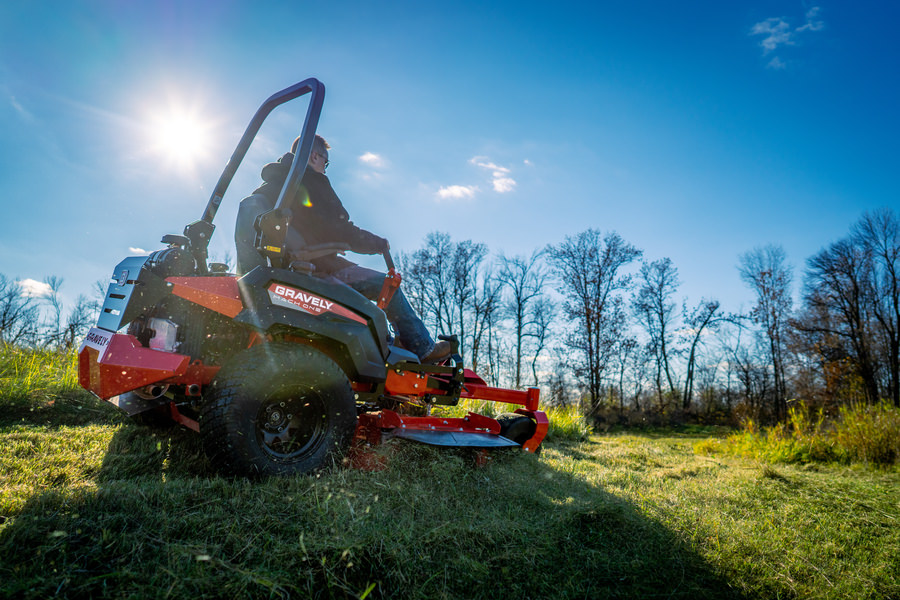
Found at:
<point>66,408</point>
<point>154,522</point>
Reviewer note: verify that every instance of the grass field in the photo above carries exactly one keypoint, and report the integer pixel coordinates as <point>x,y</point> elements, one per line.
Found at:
<point>94,506</point>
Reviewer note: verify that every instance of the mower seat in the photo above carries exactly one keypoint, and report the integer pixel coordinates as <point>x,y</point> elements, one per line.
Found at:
<point>248,257</point>
<point>302,255</point>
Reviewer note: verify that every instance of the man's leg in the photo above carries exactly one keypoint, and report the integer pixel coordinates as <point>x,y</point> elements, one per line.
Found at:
<point>411,332</point>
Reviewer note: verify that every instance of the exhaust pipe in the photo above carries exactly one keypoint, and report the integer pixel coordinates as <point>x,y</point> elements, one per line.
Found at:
<point>152,391</point>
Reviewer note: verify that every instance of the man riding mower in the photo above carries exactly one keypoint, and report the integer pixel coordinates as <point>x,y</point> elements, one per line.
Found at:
<point>284,369</point>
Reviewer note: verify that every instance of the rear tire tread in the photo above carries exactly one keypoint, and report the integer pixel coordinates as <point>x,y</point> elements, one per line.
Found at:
<point>230,441</point>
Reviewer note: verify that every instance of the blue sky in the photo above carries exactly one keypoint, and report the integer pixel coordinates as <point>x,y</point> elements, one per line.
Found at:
<point>696,130</point>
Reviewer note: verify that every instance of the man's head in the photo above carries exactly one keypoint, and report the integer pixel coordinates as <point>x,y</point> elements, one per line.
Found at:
<point>318,157</point>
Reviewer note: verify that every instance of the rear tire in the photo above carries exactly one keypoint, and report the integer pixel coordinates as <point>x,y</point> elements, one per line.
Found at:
<point>278,409</point>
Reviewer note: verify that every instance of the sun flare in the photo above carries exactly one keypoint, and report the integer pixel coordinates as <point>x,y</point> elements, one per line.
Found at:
<point>181,138</point>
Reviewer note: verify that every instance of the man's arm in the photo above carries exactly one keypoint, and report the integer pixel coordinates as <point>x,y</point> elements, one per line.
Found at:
<point>330,221</point>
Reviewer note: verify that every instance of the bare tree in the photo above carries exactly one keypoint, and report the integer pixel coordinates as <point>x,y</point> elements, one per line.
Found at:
<point>628,347</point>
<point>524,280</point>
<point>19,314</point>
<point>54,331</point>
<point>80,320</point>
<point>766,271</point>
<point>653,305</point>
<point>467,257</point>
<point>838,308</point>
<point>543,312</point>
<point>446,283</point>
<point>699,319</point>
<point>485,311</point>
<point>588,267</point>
<point>879,234</point>
<point>426,278</point>
<point>745,365</point>
<point>557,381</point>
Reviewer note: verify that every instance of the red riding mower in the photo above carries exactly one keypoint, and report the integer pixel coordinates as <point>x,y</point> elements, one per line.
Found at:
<point>280,371</point>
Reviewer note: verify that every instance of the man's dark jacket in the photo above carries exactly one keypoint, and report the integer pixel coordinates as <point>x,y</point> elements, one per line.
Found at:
<point>318,215</point>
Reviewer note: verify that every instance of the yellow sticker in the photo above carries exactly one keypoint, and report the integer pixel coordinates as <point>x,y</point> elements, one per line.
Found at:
<point>273,249</point>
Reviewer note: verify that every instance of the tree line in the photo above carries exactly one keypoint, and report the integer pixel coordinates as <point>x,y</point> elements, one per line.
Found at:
<point>592,320</point>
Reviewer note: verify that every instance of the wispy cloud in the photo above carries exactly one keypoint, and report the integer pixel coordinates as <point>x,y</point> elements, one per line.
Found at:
<point>139,251</point>
<point>777,64</point>
<point>17,106</point>
<point>500,179</point>
<point>777,32</point>
<point>20,109</point>
<point>34,289</point>
<point>813,22</point>
<point>457,192</point>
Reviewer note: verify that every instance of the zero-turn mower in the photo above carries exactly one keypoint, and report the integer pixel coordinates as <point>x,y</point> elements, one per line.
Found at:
<point>280,371</point>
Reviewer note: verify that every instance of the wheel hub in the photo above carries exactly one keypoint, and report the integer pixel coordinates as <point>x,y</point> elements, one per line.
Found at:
<point>287,427</point>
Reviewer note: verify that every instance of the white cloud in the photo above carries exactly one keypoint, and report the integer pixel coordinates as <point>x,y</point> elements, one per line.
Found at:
<point>34,289</point>
<point>373,160</point>
<point>139,251</point>
<point>501,180</point>
<point>504,184</point>
<point>457,192</point>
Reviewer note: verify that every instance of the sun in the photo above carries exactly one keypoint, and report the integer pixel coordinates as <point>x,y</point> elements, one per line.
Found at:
<point>182,138</point>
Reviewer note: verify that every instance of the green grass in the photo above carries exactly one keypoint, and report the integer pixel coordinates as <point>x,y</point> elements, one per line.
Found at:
<point>93,506</point>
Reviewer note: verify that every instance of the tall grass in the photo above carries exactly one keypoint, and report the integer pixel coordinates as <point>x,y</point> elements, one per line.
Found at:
<point>860,433</point>
<point>42,386</point>
<point>566,422</point>
<point>36,375</point>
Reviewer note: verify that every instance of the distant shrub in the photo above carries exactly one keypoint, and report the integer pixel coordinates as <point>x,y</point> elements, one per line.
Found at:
<point>708,446</point>
<point>567,423</point>
<point>869,434</point>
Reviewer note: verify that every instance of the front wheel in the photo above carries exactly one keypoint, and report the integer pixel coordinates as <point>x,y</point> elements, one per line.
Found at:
<point>278,409</point>
<point>518,428</point>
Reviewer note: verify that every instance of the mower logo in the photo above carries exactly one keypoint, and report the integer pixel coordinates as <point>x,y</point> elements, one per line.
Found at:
<point>309,303</point>
<point>306,301</point>
<point>97,339</point>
